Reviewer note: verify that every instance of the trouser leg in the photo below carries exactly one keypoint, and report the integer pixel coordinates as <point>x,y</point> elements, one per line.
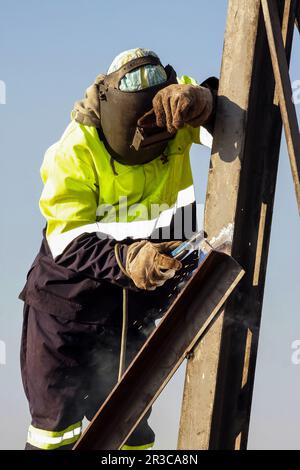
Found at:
<point>104,375</point>
<point>143,436</point>
<point>68,369</point>
<point>53,374</point>
<point>64,447</point>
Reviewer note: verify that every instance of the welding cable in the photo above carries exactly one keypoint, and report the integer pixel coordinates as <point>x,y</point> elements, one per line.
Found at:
<point>123,335</point>
<point>124,319</point>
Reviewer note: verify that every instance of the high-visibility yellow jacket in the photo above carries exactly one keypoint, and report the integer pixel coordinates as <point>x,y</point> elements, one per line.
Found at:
<point>85,192</point>
<point>89,202</point>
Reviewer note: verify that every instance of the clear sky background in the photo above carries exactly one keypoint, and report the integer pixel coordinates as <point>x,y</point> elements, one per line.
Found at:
<point>50,52</point>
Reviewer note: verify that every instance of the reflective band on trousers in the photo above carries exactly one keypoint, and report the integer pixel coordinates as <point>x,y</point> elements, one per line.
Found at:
<point>49,440</point>
<point>143,447</point>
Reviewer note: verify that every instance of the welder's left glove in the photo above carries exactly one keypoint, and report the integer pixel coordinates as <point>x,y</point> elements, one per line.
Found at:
<point>149,265</point>
<point>177,105</point>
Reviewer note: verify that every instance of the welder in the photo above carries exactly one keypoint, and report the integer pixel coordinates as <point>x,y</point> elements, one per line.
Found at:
<point>118,196</point>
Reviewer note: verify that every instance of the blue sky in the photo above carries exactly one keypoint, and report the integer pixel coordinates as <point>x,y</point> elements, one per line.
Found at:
<point>50,52</point>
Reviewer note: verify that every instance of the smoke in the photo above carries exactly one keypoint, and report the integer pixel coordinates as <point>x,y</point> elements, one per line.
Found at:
<point>224,237</point>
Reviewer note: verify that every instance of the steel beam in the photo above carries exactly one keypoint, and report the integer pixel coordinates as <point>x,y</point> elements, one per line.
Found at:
<point>284,88</point>
<point>241,187</point>
<point>195,309</point>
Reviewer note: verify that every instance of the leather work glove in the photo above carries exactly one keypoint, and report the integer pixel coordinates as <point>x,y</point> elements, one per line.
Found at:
<point>176,105</point>
<point>147,264</point>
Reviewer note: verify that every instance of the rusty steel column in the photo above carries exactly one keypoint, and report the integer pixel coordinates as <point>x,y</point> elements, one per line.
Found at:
<point>284,89</point>
<point>241,187</point>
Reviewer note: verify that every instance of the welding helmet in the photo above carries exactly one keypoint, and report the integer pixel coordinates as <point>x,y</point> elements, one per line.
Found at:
<point>121,107</point>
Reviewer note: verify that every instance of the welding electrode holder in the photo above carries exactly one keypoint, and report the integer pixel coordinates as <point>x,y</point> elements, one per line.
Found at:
<point>144,137</point>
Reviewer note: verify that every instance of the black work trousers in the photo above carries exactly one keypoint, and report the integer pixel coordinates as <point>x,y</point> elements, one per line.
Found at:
<point>68,369</point>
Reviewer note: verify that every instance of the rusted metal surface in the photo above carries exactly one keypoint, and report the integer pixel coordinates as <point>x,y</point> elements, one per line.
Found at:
<point>196,307</point>
<point>284,88</point>
<point>284,31</point>
<point>221,205</point>
<point>241,188</point>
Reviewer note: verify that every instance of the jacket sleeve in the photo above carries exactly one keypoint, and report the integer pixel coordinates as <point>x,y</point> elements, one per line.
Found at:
<point>69,204</point>
<point>95,258</point>
<point>212,83</point>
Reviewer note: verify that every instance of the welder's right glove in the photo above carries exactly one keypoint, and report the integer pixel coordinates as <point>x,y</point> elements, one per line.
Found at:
<point>148,265</point>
